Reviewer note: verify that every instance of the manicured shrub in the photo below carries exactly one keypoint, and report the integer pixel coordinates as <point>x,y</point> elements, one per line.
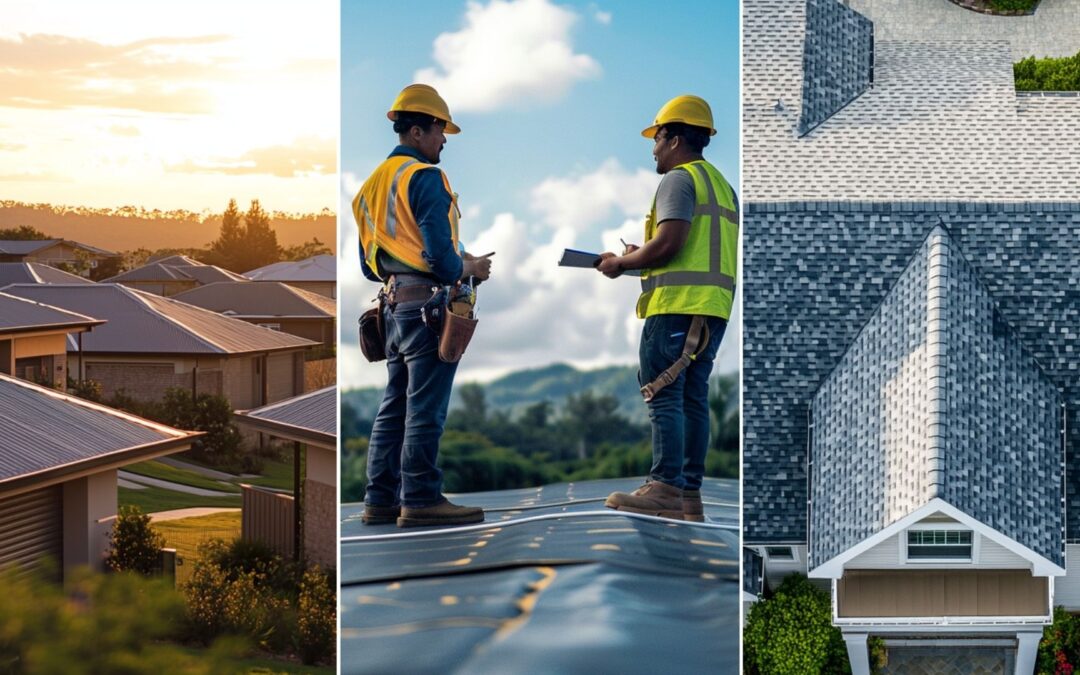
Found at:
<point>134,543</point>
<point>1013,5</point>
<point>1049,74</point>
<point>791,633</point>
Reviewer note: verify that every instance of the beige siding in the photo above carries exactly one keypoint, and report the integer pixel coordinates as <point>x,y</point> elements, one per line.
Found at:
<point>888,555</point>
<point>239,382</point>
<point>281,369</point>
<point>934,593</point>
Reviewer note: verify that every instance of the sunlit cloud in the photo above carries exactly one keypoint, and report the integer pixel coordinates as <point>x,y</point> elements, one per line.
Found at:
<point>583,201</point>
<point>166,74</point>
<point>12,147</point>
<point>305,156</point>
<point>509,51</point>
<point>124,130</point>
<point>35,175</point>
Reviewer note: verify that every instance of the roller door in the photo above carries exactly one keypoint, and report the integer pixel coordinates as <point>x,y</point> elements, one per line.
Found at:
<point>31,529</point>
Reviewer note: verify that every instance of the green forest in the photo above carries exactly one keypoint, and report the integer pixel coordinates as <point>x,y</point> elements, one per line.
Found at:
<point>582,436</point>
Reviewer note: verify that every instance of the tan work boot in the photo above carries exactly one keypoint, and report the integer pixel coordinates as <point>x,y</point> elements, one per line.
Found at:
<point>653,499</point>
<point>443,513</point>
<point>380,515</point>
<point>692,510</point>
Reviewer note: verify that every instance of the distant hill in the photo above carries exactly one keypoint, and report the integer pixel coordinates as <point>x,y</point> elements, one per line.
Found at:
<point>128,228</point>
<point>518,390</point>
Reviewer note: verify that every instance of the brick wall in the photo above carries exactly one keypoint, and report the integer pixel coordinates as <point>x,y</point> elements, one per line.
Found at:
<point>320,523</point>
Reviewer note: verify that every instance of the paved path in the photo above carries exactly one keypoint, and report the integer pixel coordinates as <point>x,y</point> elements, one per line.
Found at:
<point>120,482</point>
<point>949,661</point>
<point>201,470</point>
<point>1053,30</point>
<point>169,485</point>
<point>176,514</point>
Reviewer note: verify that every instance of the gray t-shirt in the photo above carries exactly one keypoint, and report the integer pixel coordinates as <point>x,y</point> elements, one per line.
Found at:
<point>675,198</point>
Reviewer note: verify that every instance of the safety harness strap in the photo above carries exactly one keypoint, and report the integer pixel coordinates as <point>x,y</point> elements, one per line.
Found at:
<point>697,338</point>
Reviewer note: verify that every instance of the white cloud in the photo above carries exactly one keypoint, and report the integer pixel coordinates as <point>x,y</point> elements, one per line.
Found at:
<point>582,202</point>
<point>509,51</point>
<point>602,17</point>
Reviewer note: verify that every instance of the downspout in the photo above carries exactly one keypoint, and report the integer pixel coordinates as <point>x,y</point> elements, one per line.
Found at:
<point>296,501</point>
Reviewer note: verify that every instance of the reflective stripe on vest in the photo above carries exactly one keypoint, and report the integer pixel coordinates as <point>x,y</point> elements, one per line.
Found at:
<point>688,290</point>
<point>385,218</point>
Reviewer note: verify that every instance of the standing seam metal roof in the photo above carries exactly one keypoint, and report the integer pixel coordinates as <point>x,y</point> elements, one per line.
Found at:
<point>319,268</point>
<point>266,299</point>
<point>36,273</point>
<point>16,313</point>
<point>315,411</point>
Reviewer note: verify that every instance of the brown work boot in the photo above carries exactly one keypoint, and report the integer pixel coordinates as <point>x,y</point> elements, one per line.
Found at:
<point>653,498</point>
<point>380,515</point>
<point>692,510</point>
<point>443,513</point>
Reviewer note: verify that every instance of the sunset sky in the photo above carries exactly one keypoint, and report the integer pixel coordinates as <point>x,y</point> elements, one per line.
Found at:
<point>551,96</point>
<point>168,106</point>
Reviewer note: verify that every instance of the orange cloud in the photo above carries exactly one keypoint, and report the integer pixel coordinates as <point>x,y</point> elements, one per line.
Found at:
<point>304,156</point>
<point>153,75</point>
<point>124,130</point>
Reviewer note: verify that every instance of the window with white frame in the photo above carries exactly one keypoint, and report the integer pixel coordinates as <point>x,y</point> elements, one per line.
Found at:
<point>939,545</point>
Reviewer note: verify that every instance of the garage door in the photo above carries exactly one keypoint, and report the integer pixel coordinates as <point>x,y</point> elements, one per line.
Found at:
<point>31,529</point>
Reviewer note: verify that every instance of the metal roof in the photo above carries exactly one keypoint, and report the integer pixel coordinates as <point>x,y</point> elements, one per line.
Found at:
<point>551,582</point>
<point>319,268</point>
<point>267,299</point>
<point>942,119</point>
<point>21,314</point>
<point>310,417</point>
<point>177,268</point>
<point>36,273</point>
<point>42,430</point>
<point>140,322</point>
<point>19,247</point>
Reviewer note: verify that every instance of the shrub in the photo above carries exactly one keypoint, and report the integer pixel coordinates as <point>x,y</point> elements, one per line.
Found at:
<point>1059,649</point>
<point>88,389</point>
<point>1013,5</point>
<point>792,634</point>
<point>134,544</point>
<point>316,617</point>
<point>1049,74</point>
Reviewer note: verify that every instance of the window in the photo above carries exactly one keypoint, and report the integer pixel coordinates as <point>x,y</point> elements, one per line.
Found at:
<point>939,545</point>
<point>271,326</point>
<point>779,553</point>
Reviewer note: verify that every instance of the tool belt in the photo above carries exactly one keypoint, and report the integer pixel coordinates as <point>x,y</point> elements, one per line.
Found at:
<point>372,328</point>
<point>697,338</point>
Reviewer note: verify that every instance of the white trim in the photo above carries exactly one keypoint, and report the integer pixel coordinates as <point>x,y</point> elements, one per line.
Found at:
<point>834,568</point>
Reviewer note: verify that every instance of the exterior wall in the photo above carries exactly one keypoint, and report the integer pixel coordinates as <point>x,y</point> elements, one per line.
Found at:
<point>838,60</point>
<point>90,506</point>
<point>148,379</point>
<point>320,521</point>
<point>813,274</point>
<point>240,382</point>
<point>1067,588</point>
<point>54,346</point>
<point>321,465</point>
<point>941,593</point>
<point>891,554</point>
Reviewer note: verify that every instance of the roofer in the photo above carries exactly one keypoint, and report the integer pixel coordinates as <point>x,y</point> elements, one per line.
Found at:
<point>408,220</point>
<point>688,264</point>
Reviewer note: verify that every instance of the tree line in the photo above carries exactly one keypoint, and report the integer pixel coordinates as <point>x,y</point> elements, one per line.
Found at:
<point>485,449</point>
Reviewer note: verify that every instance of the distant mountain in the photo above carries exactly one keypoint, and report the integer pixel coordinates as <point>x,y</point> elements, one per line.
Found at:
<point>520,389</point>
<point>127,228</point>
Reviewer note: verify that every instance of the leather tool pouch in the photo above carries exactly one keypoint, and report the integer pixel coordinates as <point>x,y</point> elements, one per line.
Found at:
<point>373,333</point>
<point>456,333</point>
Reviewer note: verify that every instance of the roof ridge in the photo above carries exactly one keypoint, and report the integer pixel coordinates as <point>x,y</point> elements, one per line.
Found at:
<point>289,401</point>
<point>138,295</point>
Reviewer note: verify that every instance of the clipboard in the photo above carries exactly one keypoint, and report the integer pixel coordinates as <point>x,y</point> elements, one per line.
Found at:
<point>574,258</point>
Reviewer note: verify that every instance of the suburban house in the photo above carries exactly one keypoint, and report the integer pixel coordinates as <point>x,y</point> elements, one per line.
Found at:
<point>310,421</point>
<point>271,305</point>
<point>912,324</point>
<point>172,275</point>
<point>36,273</point>
<point>59,457</point>
<point>34,338</point>
<point>54,252</point>
<point>317,274</point>
<point>150,344</point>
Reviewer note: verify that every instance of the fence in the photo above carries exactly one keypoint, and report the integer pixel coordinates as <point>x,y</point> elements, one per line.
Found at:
<point>268,517</point>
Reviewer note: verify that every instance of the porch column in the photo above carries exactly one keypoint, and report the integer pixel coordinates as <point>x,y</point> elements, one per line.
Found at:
<point>858,654</point>
<point>1027,648</point>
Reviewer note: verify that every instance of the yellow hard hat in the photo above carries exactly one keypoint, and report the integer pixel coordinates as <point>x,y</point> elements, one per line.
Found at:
<point>423,99</point>
<point>688,109</point>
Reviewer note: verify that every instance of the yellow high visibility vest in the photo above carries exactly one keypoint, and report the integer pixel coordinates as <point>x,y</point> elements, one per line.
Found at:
<point>700,279</point>
<point>386,220</point>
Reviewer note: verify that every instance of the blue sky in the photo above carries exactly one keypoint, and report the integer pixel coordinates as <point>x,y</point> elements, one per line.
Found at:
<point>551,98</point>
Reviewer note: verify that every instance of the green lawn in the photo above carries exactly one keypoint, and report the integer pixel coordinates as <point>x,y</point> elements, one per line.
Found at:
<point>155,469</point>
<point>187,534</point>
<point>268,665</point>
<point>275,474</point>
<point>152,499</point>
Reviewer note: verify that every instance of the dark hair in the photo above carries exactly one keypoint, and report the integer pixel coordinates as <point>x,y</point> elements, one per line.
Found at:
<point>696,138</point>
<point>408,120</point>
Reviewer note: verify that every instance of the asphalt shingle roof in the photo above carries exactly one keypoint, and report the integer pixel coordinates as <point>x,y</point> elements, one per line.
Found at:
<point>140,322</point>
<point>267,299</point>
<point>42,429</point>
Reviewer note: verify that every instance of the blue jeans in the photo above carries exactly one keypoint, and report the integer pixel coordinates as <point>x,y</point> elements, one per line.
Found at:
<point>680,411</point>
<point>405,436</point>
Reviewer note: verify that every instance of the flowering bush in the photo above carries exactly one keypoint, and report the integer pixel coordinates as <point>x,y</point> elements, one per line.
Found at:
<point>316,616</point>
<point>1059,650</point>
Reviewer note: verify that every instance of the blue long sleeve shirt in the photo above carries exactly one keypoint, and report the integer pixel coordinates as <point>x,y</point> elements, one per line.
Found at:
<point>430,203</point>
